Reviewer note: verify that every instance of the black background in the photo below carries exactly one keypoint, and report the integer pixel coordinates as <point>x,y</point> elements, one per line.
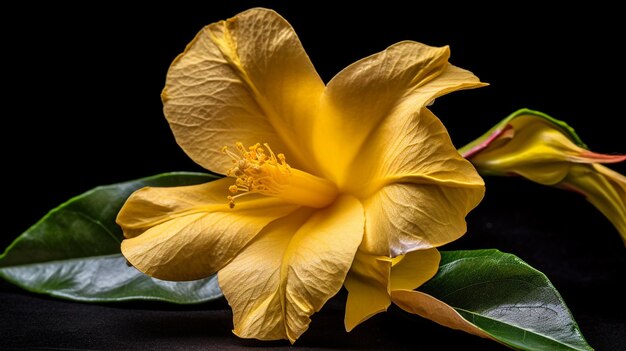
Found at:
<point>81,108</point>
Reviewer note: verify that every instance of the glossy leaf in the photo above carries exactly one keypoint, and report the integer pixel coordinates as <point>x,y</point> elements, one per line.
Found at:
<point>507,299</point>
<point>74,251</point>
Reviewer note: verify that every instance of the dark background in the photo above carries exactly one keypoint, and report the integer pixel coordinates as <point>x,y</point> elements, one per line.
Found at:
<point>81,108</point>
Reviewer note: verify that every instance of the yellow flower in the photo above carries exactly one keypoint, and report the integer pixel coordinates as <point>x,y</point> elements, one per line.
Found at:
<point>547,151</point>
<point>316,172</point>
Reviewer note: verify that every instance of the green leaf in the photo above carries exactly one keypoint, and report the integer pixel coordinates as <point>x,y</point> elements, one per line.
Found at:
<point>74,251</point>
<point>508,299</point>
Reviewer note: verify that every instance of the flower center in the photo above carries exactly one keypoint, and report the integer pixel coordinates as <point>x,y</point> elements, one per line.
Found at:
<point>259,171</point>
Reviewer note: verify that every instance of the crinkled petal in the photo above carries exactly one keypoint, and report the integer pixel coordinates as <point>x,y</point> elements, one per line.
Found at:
<point>362,96</point>
<point>150,206</point>
<point>187,233</point>
<point>291,269</point>
<point>420,189</point>
<point>246,79</point>
<point>412,149</point>
<point>404,217</point>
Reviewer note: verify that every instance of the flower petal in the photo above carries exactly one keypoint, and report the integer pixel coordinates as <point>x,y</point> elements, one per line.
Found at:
<point>363,95</point>
<point>149,206</point>
<point>405,217</point>
<point>187,233</point>
<point>368,288</point>
<point>372,279</point>
<point>604,188</point>
<point>414,269</point>
<point>245,79</point>
<point>291,269</point>
<point>426,306</point>
<point>435,188</point>
<point>412,147</point>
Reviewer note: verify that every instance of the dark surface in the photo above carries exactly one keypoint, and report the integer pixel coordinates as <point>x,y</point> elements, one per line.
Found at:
<point>108,127</point>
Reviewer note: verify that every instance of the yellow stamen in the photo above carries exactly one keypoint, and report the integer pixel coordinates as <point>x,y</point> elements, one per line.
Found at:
<point>258,170</point>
